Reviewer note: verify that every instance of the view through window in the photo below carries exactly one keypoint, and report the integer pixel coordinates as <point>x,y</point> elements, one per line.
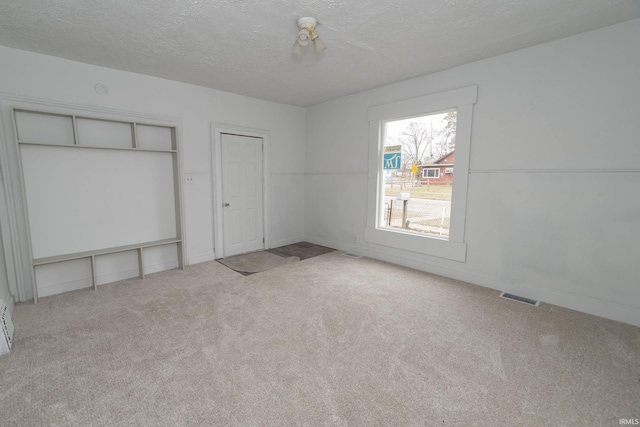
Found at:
<point>418,167</point>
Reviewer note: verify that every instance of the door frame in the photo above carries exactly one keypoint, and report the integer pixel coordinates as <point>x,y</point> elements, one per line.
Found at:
<point>217,129</point>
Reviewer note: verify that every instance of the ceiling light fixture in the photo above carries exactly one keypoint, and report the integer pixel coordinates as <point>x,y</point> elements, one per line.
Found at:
<point>307,34</point>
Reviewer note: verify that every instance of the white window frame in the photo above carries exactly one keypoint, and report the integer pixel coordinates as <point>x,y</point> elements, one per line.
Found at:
<point>425,173</point>
<point>453,248</point>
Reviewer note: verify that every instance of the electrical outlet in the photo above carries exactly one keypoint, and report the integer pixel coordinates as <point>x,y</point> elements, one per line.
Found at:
<point>189,179</point>
<point>355,239</point>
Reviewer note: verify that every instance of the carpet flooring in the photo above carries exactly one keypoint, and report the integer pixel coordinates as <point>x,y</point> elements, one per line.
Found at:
<point>330,340</point>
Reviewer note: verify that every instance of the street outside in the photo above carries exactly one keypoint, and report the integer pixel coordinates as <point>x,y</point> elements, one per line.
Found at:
<point>424,214</point>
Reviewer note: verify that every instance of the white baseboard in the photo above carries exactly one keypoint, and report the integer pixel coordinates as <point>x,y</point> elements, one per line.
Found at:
<point>285,242</point>
<point>590,305</point>
<point>162,266</point>
<point>199,257</point>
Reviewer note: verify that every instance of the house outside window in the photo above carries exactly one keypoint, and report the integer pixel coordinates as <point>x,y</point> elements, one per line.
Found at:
<point>440,172</point>
<point>430,173</point>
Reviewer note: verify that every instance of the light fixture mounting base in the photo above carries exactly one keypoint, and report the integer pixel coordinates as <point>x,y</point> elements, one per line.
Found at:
<point>307,22</point>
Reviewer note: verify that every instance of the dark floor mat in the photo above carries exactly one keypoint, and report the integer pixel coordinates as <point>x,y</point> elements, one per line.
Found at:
<point>302,250</point>
<point>255,262</point>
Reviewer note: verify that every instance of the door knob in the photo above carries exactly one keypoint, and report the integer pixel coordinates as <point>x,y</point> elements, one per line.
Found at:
<point>226,204</point>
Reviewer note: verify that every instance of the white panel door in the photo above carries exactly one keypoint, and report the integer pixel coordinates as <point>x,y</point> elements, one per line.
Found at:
<point>242,194</point>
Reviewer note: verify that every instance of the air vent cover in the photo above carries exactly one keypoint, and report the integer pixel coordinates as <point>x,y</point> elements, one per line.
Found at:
<point>517,298</point>
<point>350,255</point>
<point>6,329</point>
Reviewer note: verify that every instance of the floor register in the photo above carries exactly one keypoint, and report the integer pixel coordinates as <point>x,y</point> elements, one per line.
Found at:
<point>7,328</point>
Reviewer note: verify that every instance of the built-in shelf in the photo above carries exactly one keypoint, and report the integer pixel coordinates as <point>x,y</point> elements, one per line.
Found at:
<point>95,253</point>
<point>40,136</point>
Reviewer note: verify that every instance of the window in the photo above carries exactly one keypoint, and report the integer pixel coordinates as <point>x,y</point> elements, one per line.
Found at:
<point>430,173</point>
<point>419,211</point>
<point>424,140</point>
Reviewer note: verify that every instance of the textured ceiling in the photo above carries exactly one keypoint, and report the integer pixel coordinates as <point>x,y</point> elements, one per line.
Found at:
<point>245,46</point>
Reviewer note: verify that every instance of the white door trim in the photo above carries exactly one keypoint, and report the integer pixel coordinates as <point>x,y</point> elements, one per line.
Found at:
<point>217,129</point>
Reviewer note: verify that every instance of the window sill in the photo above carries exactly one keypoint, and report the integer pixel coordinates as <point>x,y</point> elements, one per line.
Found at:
<point>433,246</point>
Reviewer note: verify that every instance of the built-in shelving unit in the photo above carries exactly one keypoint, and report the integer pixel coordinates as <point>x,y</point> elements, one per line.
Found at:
<point>93,254</point>
<point>96,186</point>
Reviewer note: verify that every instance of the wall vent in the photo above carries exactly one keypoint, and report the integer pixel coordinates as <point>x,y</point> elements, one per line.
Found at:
<point>6,337</point>
<point>517,298</point>
<point>350,255</point>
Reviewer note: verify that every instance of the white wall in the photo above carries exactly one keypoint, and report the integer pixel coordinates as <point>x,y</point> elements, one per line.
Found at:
<point>55,80</point>
<point>553,209</point>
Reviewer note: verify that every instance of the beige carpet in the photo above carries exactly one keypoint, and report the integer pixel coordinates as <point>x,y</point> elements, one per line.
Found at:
<point>326,341</point>
<point>256,262</point>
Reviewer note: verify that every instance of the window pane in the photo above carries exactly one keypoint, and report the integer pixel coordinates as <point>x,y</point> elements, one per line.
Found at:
<point>418,183</point>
